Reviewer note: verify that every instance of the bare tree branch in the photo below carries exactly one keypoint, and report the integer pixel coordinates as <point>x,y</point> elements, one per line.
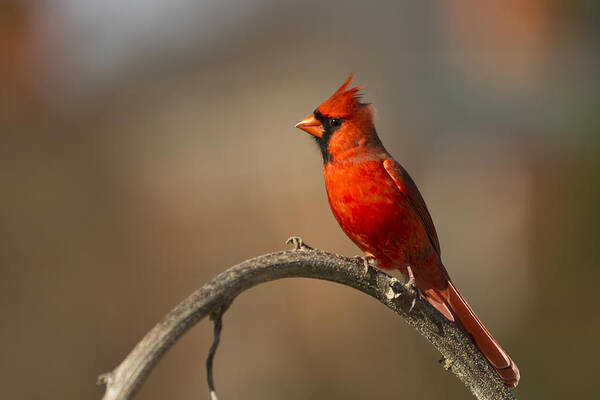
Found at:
<point>461,357</point>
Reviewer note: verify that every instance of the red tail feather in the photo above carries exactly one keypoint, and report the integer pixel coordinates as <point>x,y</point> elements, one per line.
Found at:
<point>491,349</point>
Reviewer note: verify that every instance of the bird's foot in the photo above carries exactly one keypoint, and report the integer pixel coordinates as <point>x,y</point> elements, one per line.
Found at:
<point>367,261</point>
<point>410,283</point>
<point>411,286</point>
<point>298,243</point>
<point>395,289</point>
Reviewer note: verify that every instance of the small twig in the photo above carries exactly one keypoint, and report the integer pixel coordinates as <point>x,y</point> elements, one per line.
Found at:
<point>298,243</point>
<point>461,356</point>
<point>218,321</point>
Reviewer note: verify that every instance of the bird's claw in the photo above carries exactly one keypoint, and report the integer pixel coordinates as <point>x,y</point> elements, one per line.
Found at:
<point>298,243</point>
<point>411,286</point>
<point>410,283</point>
<point>412,304</point>
<point>367,261</point>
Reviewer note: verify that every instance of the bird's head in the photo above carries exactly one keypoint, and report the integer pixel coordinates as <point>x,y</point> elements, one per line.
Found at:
<point>341,124</point>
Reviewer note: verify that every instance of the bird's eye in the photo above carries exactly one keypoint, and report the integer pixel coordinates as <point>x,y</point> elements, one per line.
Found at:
<point>335,122</point>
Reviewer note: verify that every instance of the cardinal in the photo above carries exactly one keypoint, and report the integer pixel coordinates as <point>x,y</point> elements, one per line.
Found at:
<point>379,207</point>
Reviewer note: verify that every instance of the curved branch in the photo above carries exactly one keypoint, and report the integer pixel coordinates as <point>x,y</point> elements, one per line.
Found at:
<point>460,355</point>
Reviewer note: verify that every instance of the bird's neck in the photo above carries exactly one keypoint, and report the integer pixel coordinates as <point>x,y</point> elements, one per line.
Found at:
<point>360,148</point>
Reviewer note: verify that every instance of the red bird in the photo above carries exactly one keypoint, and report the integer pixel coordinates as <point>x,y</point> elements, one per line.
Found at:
<point>379,207</point>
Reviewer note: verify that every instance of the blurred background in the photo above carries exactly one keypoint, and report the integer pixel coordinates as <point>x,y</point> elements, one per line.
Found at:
<point>147,146</point>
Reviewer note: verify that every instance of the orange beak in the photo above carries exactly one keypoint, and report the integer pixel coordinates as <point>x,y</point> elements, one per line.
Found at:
<point>311,125</point>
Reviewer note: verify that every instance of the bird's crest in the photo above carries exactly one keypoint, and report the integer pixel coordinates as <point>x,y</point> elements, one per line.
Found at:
<point>343,103</point>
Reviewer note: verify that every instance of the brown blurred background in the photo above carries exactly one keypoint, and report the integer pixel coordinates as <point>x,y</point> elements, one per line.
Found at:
<point>146,146</point>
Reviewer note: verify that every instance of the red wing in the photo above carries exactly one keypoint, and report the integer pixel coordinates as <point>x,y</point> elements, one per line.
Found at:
<point>408,187</point>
